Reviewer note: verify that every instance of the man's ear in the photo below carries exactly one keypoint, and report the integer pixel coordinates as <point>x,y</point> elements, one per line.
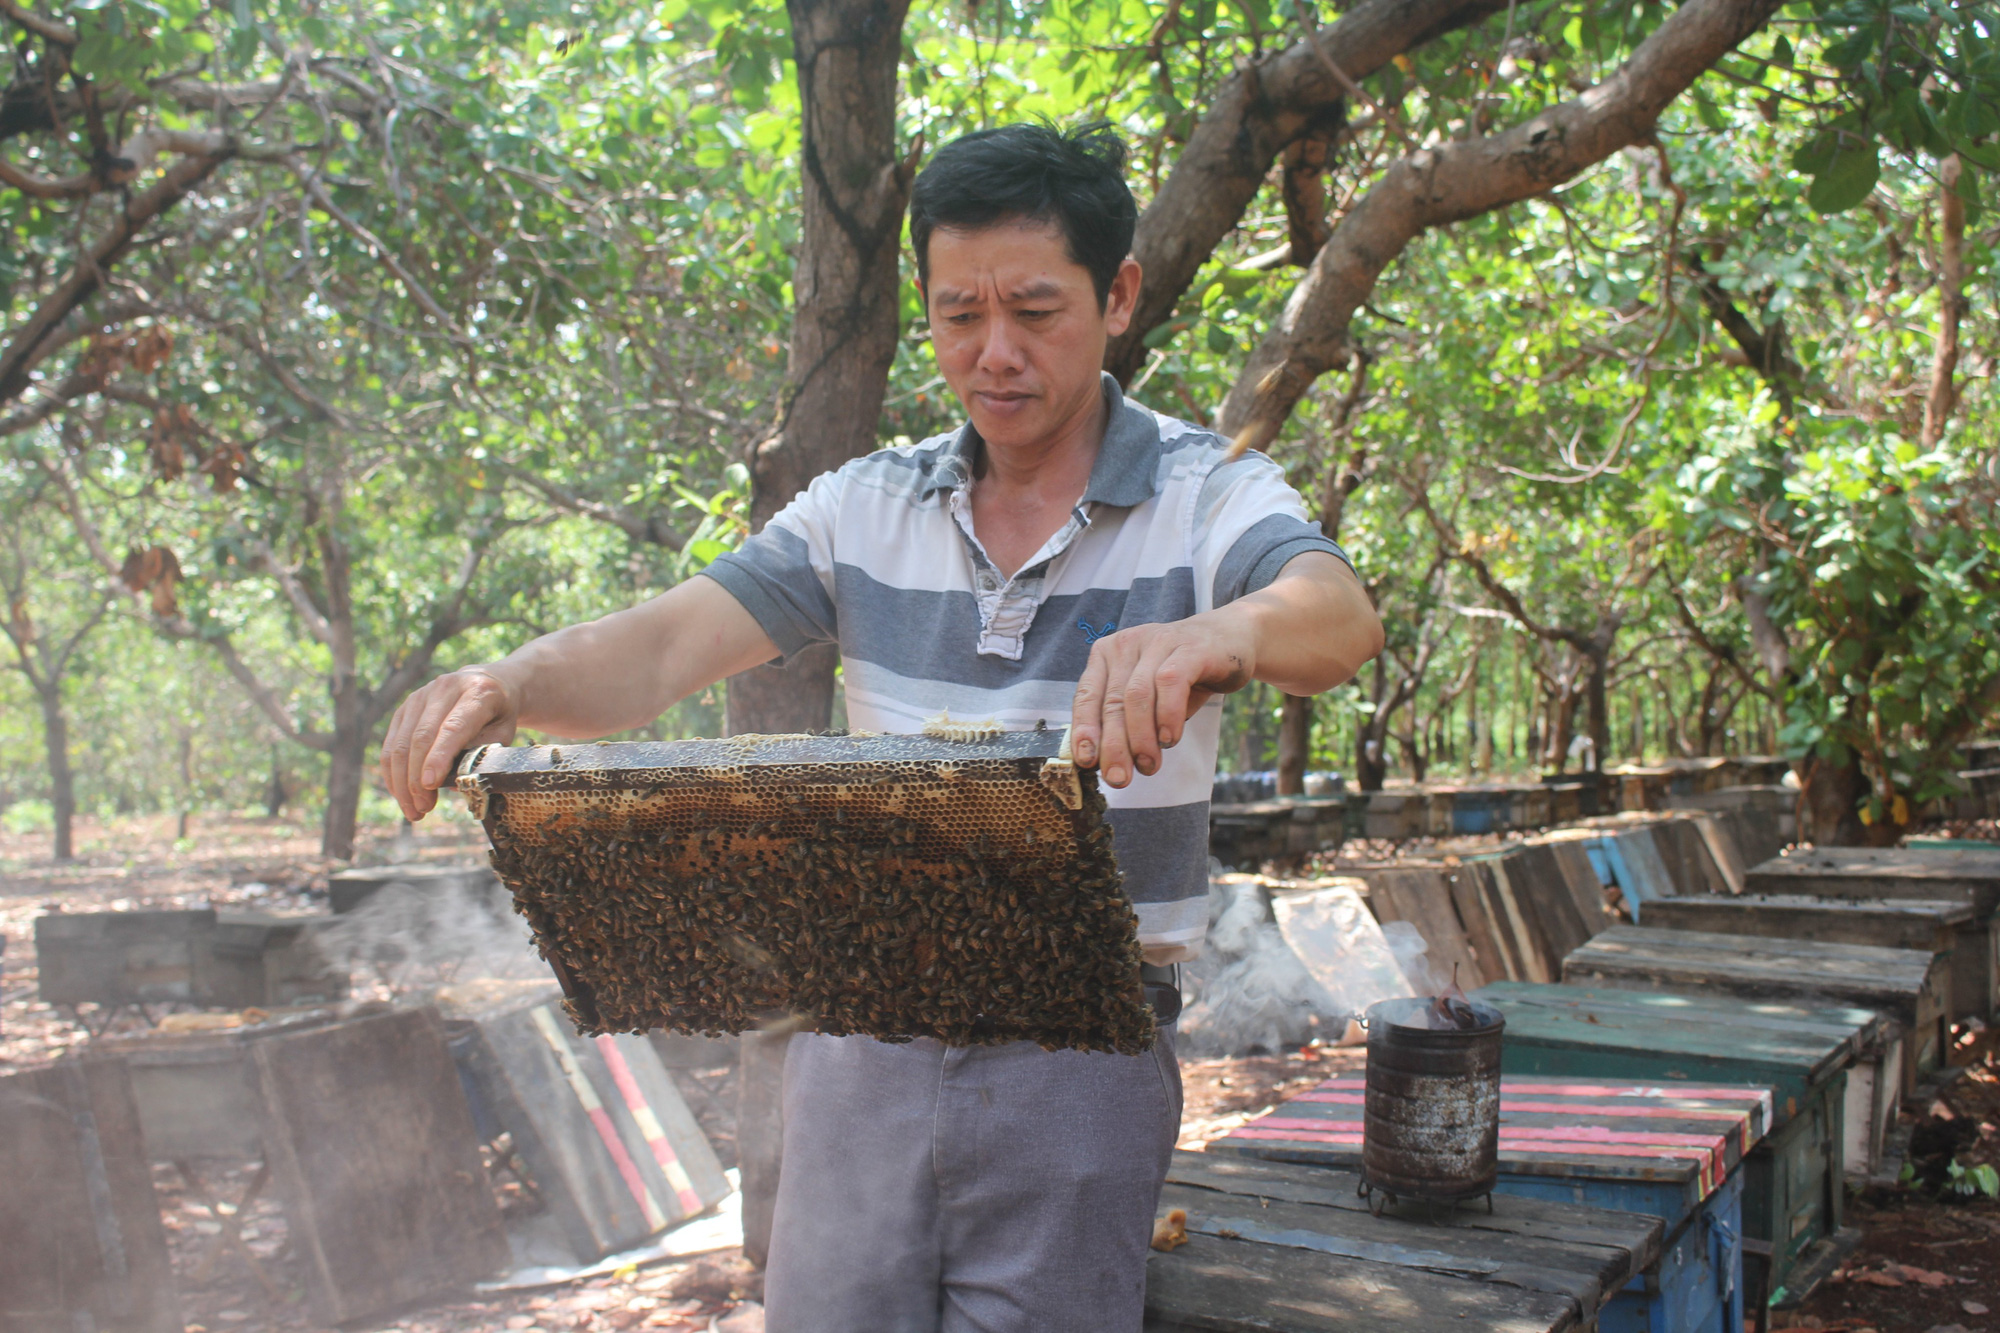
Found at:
<point>1123,298</point>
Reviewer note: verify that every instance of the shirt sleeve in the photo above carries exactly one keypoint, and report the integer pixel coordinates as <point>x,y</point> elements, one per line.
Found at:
<point>783,576</point>
<point>1248,525</point>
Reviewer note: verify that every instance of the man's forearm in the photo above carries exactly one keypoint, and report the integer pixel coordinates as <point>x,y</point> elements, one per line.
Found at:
<point>625,669</point>
<point>1314,627</point>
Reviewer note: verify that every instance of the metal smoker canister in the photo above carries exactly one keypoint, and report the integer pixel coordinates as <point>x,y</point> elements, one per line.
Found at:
<point>1431,1122</point>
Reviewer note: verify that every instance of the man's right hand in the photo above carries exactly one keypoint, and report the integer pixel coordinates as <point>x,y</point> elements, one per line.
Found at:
<point>452,713</point>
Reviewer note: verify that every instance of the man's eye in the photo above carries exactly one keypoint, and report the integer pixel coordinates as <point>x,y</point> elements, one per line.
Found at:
<point>961,319</point>
<point>1036,314</point>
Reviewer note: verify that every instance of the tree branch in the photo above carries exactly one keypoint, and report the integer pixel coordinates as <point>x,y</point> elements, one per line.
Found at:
<point>652,528</point>
<point>316,191</point>
<point>1250,119</point>
<point>175,183</point>
<point>1463,179</point>
<point>132,160</point>
<point>46,28</point>
<point>1952,304</point>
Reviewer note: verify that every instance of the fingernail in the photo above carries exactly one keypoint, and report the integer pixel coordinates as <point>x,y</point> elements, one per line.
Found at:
<point>1086,753</point>
<point>1115,775</point>
<point>1166,737</point>
<point>430,777</point>
<point>1147,764</point>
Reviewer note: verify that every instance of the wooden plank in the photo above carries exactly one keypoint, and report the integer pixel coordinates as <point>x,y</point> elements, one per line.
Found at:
<point>1274,1247</point>
<point>1586,890</point>
<point>1488,942</point>
<point>113,958</point>
<point>1885,872</point>
<point>1421,897</point>
<point>1908,985</point>
<point>1534,870</point>
<point>1521,1261</point>
<point>1876,978</point>
<point>1914,923</point>
<point>81,1246</point>
<point>1522,922</point>
<point>1228,1286</point>
<point>1630,1237</point>
<point>1720,839</point>
<point>372,1146</point>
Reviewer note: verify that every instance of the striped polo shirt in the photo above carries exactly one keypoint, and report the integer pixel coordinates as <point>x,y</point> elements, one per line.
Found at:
<point>881,558</point>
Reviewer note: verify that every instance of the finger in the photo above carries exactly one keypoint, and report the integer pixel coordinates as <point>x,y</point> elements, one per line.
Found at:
<point>1142,698</point>
<point>393,760</point>
<point>475,710</point>
<point>1086,711</point>
<point>1173,705</point>
<point>439,697</point>
<point>1116,759</point>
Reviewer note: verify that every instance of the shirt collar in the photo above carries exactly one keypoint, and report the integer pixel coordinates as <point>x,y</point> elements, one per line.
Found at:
<point>1126,471</point>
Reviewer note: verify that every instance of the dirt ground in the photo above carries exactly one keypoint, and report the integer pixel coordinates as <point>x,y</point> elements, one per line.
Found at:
<point>1929,1263</point>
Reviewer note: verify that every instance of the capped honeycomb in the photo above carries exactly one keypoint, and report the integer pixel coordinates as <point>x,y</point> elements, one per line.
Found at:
<point>893,886</point>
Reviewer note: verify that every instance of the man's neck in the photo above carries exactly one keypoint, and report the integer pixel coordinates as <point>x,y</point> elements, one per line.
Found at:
<point>1056,467</point>
<point>1024,493</point>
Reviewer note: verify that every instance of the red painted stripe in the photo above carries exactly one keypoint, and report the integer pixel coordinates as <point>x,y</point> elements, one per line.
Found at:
<point>1511,1148</point>
<point>627,1168</point>
<point>1609,1111</point>
<point>649,1126</point>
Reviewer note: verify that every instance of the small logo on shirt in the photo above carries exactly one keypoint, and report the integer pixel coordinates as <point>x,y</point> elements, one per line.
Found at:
<point>1092,635</point>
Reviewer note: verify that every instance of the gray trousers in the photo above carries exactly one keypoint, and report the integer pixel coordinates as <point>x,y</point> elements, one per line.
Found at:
<point>982,1189</point>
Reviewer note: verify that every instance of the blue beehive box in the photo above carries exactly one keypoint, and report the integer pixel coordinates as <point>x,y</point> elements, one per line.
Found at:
<point>1673,1152</point>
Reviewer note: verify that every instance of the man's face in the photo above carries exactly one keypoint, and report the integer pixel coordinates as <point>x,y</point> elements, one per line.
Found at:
<point>1017,330</point>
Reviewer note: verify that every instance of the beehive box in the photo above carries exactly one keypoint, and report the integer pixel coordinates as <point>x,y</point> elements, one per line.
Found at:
<point>81,1246</point>
<point>894,886</point>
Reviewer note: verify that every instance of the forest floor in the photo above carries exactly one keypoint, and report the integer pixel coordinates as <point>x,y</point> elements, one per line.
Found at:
<point>1929,1262</point>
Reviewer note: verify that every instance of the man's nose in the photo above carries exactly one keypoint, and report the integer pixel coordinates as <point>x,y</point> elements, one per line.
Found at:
<point>1000,351</point>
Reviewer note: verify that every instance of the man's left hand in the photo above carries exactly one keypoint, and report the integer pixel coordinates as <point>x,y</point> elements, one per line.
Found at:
<point>1310,629</point>
<point>1143,684</point>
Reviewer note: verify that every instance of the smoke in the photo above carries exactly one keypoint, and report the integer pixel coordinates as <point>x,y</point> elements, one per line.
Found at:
<point>419,936</point>
<point>1250,991</point>
<point>1282,969</point>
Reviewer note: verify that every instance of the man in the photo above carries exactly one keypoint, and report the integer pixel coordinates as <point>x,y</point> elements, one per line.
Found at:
<point>1064,556</point>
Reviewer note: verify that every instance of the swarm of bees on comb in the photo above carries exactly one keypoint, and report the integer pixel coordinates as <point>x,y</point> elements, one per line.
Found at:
<point>892,886</point>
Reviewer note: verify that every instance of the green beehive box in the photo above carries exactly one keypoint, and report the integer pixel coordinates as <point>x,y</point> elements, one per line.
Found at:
<point>1792,1194</point>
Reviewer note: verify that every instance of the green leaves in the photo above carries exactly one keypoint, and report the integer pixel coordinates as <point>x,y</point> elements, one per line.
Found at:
<point>1847,179</point>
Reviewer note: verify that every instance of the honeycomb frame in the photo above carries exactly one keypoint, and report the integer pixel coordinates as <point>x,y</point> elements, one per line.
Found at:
<point>889,886</point>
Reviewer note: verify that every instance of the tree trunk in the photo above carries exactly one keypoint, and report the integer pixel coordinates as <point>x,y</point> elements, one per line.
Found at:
<point>1830,793</point>
<point>62,781</point>
<point>1597,711</point>
<point>1952,305</point>
<point>347,764</point>
<point>1295,723</point>
<point>1562,727</point>
<point>854,191</point>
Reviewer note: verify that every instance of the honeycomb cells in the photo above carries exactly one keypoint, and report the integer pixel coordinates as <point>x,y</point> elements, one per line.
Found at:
<point>892,886</point>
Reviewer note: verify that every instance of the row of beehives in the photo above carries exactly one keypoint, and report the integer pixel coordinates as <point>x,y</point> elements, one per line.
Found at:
<point>1832,977</point>
<point>1248,834</point>
<point>390,1138</point>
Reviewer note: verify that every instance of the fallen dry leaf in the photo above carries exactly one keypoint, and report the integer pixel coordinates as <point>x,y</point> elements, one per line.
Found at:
<point>1170,1232</point>
<point>1972,1307</point>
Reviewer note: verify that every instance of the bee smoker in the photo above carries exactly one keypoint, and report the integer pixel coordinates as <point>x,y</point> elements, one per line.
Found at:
<point>1431,1119</point>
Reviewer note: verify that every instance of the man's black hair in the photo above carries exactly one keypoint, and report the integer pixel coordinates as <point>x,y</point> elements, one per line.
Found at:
<point>1073,178</point>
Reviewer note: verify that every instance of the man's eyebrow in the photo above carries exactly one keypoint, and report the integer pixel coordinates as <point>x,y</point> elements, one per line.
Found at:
<point>1039,290</point>
<point>953,296</point>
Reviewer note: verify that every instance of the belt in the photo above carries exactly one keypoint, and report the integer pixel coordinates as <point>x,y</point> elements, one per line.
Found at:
<point>1163,989</point>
